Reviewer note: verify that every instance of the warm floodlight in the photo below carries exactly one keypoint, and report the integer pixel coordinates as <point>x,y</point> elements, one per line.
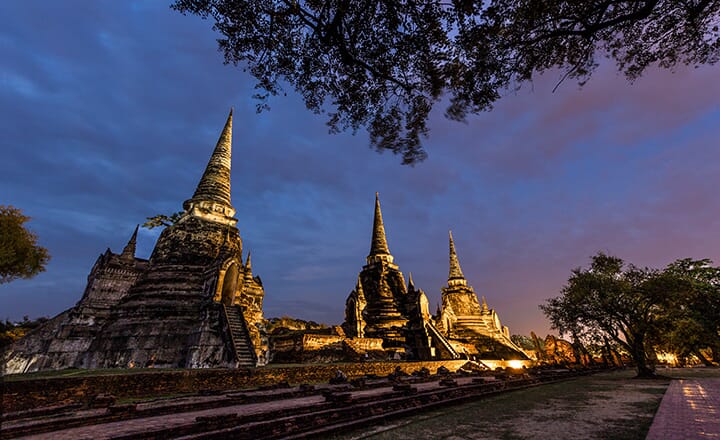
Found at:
<point>515,364</point>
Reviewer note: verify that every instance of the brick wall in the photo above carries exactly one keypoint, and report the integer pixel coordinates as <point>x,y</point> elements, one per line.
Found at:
<point>34,393</point>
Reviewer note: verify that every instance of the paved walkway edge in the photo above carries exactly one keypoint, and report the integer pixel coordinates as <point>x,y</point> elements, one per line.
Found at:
<point>690,409</point>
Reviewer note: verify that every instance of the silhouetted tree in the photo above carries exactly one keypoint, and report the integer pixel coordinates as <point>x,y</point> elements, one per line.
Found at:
<point>693,322</point>
<point>627,304</point>
<point>384,64</point>
<point>20,255</point>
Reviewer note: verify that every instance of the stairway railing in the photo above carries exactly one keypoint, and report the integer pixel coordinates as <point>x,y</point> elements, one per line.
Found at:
<point>435,333</point>
<point>237,312</point>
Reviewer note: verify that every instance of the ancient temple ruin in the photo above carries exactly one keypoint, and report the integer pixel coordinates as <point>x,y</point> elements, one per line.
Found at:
<point>193,304</point>
<point>382,306</point>
<point>196,304</point>
<point>472,328</point>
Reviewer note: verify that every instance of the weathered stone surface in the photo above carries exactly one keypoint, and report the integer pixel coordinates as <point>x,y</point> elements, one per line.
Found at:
<point>383,307</point>
<point>35,393</point>
<point>193,304</point>
<point>266,412</point>
<point>196,304</point>
<point>474,330</point>
<point>64,341</point>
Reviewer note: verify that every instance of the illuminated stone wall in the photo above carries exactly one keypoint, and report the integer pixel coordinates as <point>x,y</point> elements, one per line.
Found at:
<point>27,394</point>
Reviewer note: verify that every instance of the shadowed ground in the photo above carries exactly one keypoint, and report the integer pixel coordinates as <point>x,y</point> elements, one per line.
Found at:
<point>607,405</point>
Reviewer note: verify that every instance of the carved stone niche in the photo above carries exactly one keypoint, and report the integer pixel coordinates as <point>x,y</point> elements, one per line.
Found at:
<point>228,280</point>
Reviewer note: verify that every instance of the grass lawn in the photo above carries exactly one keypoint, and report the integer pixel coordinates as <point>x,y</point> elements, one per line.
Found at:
<point>609,405</point>
<point>689,373</point>
<point>77,372</point>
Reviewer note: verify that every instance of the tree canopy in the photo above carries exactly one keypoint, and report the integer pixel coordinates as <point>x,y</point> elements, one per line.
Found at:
<point>641,309</point>
<point>20,255</point>
<point>383,65</point>
<point>694,324</point>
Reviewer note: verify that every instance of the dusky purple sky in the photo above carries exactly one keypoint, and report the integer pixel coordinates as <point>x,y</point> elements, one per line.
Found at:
<point>110,110</point>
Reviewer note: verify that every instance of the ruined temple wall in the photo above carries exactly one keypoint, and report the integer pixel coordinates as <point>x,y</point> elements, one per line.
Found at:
<point>110,280</point>
<point>64,341</point>
<point>365,344</point>
<point>44,350</point>
<point>30,353</point>
<point>35,393</point>
<point>182,330</point>
<point>168,319</point>
<point>163,317</point>
<point>207,348</point>
<point>386,296</point>
<point>462,301</point>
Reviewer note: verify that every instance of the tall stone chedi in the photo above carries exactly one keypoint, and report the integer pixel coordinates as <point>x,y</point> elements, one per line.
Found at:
<point>383,307</point>
<point>472,328</point>
<point>193,304</point>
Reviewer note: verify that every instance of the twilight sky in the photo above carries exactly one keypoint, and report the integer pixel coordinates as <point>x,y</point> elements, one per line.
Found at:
<point>110,110</point>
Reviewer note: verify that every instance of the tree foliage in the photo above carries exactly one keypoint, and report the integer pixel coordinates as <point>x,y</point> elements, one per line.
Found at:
<point>20,255</point>
<point>624,303</point>
<point>383,65</point>
<point>522,341</point>
<point>12,331</point>
<point>641,309</point>
<point>162,220</point>
<point>694,323</point>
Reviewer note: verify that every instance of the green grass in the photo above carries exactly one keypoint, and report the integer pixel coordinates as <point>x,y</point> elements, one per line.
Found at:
<point>690,373</point>
<point>632,429</point>
<point>605,405</point>
<point>83,373</point>
<point>127,400</point>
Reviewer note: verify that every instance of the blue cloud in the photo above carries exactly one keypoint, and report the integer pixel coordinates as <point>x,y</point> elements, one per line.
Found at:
<point>110,110</point>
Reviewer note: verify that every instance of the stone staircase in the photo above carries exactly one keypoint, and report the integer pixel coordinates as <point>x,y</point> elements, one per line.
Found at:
<point>239,335</point>
<point>439,338</point>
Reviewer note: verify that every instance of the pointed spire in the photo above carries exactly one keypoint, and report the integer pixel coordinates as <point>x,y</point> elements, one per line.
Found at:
<point>214,184</point>
<point>485,308</point>
<point>455,270</point>
<point>128,252</point>
<point>248,267</point>
<point>379,248</point>
<point>379,242</point>
<point>411,284</point>
<point>359,288</point>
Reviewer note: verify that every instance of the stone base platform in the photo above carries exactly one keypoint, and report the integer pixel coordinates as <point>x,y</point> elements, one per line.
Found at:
<point>33,393</point>
<point>270,412</point>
